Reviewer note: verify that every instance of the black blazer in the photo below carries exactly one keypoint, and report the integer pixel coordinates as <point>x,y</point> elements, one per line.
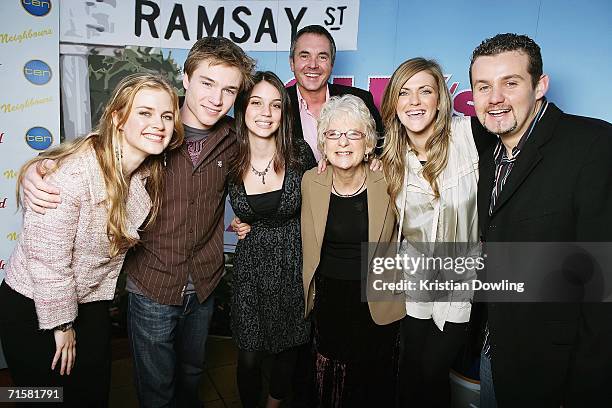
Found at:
<point>336,90</point>
<point>560,190</point>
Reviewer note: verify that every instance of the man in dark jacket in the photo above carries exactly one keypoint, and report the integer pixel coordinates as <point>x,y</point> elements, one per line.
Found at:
<point>548,179</point>
<point>312,56</point>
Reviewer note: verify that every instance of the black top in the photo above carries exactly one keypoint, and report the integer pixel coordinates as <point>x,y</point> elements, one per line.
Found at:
<point>346,229</point>
<point>265,204</point>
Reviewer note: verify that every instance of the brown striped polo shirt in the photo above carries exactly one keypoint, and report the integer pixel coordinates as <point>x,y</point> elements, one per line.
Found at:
<point>187,236</point>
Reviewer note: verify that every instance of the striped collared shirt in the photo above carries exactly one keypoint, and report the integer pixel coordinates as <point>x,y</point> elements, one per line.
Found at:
<point>503,167</point>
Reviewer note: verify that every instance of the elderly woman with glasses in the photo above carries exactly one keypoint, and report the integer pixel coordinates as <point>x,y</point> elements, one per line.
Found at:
<point>343,207</point>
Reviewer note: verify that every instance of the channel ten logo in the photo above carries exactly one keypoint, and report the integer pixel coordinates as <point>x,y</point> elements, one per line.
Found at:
<point>38,8</point>
<point>37,72</point>
<point>39,138</point>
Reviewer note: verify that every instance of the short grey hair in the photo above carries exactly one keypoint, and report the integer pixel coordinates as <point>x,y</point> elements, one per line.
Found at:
<point>351,107</point>
<point>316,30</point>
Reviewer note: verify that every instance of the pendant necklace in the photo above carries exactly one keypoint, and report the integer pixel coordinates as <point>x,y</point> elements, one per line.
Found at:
<point>349,195</point>
<point>263,173</point>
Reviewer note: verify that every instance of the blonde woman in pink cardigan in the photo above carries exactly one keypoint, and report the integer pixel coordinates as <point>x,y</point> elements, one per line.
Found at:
<point>62,273</point>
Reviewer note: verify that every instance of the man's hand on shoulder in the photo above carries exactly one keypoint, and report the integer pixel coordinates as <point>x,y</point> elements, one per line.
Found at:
<point>39,195</point>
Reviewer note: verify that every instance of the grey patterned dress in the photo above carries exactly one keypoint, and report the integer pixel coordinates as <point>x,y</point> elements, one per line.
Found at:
<point>267,299</point>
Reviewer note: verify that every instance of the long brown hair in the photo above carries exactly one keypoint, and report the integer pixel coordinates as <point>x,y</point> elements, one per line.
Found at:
<point>396,138</point>
<point>104,140</point>
<point>285,155</point>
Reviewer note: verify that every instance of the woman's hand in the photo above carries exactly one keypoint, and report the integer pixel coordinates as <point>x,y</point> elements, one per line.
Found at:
<point>240,228</point>
<point>376,164</point>
<point>65,348</point>
<point>321,166</point>
<point>37,194</point>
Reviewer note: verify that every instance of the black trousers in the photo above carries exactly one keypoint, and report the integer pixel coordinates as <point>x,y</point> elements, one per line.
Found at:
<point>29,351</point>
<point>426,354</point>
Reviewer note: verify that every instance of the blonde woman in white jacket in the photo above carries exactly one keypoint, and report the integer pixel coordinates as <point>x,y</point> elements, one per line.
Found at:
<point>430,162</point>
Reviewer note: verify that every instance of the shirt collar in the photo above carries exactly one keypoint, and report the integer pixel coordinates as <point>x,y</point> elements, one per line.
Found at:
<point>500,151</point>
<point>302,102</point>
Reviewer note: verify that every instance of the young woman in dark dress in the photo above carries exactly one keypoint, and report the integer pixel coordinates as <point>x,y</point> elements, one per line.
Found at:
<point>264,190</point>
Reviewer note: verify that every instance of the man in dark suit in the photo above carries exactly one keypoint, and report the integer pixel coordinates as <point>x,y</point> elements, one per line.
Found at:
<point>311,57</point>
<point>548,179</point>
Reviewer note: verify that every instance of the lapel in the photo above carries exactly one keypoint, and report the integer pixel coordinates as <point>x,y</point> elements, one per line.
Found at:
<point>138,202</point>
<point>321,189</point>
<point>378,206</point>
<point>486,169</point>
<point>221,131</point>
<point>95,178</point>
<point>530,156</point>
<point>333,90</point>
<point>295,107</point>
<point>414,176</point>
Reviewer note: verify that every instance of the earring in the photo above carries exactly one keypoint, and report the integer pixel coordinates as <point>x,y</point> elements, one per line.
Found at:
<point>118,153</point>
<point>118,156</point>
<point>366,157</point>
<point>165,158</point>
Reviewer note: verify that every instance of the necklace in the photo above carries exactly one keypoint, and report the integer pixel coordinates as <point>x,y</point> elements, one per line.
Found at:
<point>263,173</point>
<point>349,195</point>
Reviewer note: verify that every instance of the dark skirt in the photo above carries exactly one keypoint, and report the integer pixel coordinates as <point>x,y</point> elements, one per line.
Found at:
<point>356,359</point>
<point>29,351</point>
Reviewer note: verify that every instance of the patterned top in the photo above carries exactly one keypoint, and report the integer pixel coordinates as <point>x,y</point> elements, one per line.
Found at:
<point>267,295</point>
<point>62,257</point>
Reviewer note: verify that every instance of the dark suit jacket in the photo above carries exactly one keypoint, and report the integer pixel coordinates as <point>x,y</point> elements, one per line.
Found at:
<point>560,190</point>
<point>336,90</point>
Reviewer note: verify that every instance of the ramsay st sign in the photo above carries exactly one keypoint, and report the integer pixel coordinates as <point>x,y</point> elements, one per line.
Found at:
<point>256,25</point>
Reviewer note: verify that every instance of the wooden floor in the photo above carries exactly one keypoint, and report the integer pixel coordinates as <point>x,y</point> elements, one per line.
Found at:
<point>218,388</point>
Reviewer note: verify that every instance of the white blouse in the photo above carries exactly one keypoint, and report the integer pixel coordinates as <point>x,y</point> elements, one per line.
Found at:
<point>426,222</point>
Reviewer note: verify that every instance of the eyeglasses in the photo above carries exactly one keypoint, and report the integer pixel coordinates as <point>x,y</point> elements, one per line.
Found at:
<point>350,134</point>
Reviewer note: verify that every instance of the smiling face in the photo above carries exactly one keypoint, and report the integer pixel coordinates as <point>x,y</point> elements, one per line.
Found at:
<point>504,97</point>
<point>344,153</point>
<point>210,92</point>
<point>264,109</point>
<point>311,63</point>
<point>417,105</point>
<point>149,125</point>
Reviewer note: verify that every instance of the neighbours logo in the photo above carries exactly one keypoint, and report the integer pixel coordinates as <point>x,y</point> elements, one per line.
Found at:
<point>3,202</point>
<point>1,136</point>
<point>2,264</point>
<point>38,8</point>
<point>37,72</point>
<point>39,138</point>
<point>9,174</point>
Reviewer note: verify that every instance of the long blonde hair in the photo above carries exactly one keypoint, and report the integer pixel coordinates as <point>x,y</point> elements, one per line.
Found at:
<point>105,139</point>
<point>396,138</point>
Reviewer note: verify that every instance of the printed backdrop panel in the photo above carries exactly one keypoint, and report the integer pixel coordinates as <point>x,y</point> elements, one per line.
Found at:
<point>29,101</point>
